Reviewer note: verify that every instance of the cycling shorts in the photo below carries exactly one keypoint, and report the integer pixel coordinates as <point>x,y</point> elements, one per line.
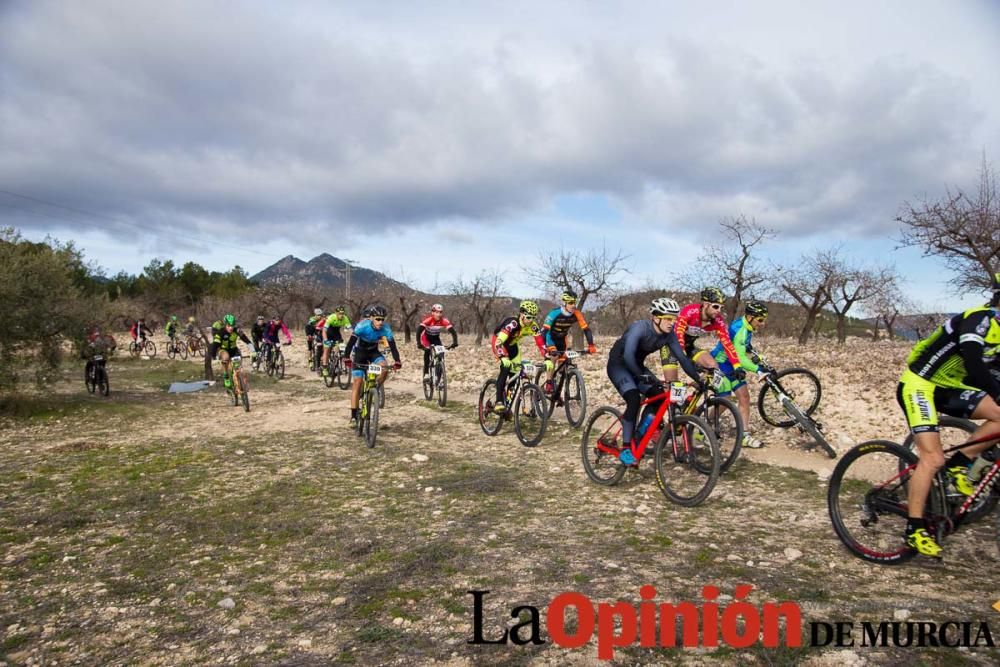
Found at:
<point>334,336</point>
<point>364,357</point>
<point>921,400</point>
<point>729,384</point>
<point>671,362</point>
<point>623,380</point>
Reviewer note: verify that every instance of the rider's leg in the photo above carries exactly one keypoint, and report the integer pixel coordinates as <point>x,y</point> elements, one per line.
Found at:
<point>505,371</point>
<point>427,360</point>
<point>990,411</point>
<point>224,360</point>
<point>931,459</point>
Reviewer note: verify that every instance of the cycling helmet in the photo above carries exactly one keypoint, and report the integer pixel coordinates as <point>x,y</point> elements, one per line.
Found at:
<point>664,306</point>
<point>379,311</point>
<point>341,310</point>
<point>229,320</point>
<point>712,295</point>
<point>261,318</point>
<point>173,318</point>
<point>569,296</point>
<point>756,308</point>
<point>437,308</point>
<point>529,308</point>
<point>276,318</point>
<point>191,319</point>
<point>317,311</point>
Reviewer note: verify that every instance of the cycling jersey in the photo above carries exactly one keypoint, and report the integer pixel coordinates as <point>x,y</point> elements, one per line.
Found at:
<point>510,332</point>
<point>689,326</point>
<point>558,323</point>
<point>312,323</point>
<point>170,329</point>
<point>227,340</point>
<point>628,355</point>
<point>741,335</point>
<point>366,337</point>
<point>336,321</point>
<point>136,331</point>
<point>271,330</point>
<point>429,331</point>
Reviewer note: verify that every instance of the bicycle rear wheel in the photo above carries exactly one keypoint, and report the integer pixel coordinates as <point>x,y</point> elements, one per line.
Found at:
<point>530,415</point>
<point>182,350</point>
<point>687,461</point>
<point>279,365</point>
<point>867,501</point>
<point>371,421</point>
<point>149,348</point>
<point>133,349</point>
<point>575,398</point>
<point>604,427</point>
<point>801,385</point>
<point>427,382</point>
<point>724,418</point>
<point>89,376</point>
<point>342,374</point>
<point>489,421</point>
<point>103,383</point>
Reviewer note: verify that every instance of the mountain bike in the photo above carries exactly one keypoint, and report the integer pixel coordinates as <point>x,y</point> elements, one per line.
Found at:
<point>686,454</point>
<point>530,412</point>
<point>438,377</point>
<point>867,500</point>
<point>241,387</point>
<point>568,388</point>
<point>722,415</point>
<point>146,346</point>
<point>195,346</point>
<point>175,348</point>
<point>273,359</point>
<point>336,372</point>
<point>95,375</point>
<point>314,355</point>
<point>788,398</point>
<point>368,404</point>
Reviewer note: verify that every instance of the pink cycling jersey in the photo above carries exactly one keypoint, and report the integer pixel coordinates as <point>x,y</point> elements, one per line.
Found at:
<point>689,324</point>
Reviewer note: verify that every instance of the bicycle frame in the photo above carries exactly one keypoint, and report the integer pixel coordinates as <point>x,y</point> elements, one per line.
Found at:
<point>667,409</point>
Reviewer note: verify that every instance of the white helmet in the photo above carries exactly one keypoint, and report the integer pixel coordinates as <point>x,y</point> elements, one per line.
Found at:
<point>317,311</point>
<point>664,306</point>
<point>437,308</point>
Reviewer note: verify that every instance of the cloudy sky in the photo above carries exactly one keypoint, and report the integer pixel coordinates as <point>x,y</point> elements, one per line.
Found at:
<point>438,138</point>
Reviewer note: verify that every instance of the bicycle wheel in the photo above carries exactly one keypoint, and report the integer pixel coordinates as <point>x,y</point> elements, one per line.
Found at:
<point>149,347</point>
<point>808,425</point>
<point>233,390</point>
<point>103,383</point>
<point>133,349</point>
<point>441,382</point>
<point>244,393</point>
<point>380,390</point>
<point>724,418</point>
<point>530,415</point>
<point>182,350</point>
<point>604,427</point>
<point>687,461</point>
<point>575,398</point>
<point>867,501</point>
<point>489,421</point>
<point>955,431</point>
<point>342,374</point>
<point>279,365</point>
<point>171,350</point>
<point>428,382</point>
<point>371,421</point>
<point>801,385</point>
<point>89,376</point>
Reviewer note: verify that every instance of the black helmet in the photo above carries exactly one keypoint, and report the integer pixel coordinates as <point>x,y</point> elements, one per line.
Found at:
<point>756,308</point>
<point>712,295</point>
<point>378,310</point>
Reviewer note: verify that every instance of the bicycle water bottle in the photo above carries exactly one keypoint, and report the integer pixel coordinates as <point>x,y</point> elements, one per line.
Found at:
<point>646,421</point>
<point>981,463</point>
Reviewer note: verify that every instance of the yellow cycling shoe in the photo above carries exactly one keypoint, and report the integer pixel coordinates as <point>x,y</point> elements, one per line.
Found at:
<point>959,476</point>
<point>921,540</point>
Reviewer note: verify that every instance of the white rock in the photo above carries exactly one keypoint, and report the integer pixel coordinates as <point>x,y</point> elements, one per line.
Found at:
<point>339,601</point>
<point>227,603</point>
<point>305,643</point>
<point>901,614</point>
<point>420,458</point>
<point>642,509</point>
<point>240,452</point>
<point>428,489</point>
<point>792,554</point>
<point>397,621</point>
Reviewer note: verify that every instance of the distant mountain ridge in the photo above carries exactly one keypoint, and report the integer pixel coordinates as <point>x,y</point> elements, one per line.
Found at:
<point>325,270</point>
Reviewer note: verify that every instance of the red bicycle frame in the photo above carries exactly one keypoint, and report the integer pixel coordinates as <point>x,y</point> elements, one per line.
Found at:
<point>666,409</point>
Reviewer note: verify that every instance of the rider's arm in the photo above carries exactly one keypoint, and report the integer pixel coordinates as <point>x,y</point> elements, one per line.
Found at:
<point>744,350</point>
<point>719,326</point>
<point>547,326</point>
<point>454,335</point>
<point>243,337</point>
<point>588,334</point>
<point>284,330</point>
<point>632,337</point>
<point>971,342</point>
<point>392,348</point>
<point>420,331</point>
<point>350,345</point>
<point>688,365</point>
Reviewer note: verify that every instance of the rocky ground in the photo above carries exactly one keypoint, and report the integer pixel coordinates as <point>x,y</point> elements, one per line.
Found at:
<point>152,528</point>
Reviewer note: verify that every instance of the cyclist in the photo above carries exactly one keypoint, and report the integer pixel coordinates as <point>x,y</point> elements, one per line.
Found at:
<point>139,331</point>
<point>311,324</point>
<point>191,327</point>
<point>948,371</point>
<point>363,343</point>
<point>171,329</point>
<point>694,320</point>
<point>257,333</point>
<point>555,328</point>
<point>627,370</point>
<point>331,333</point>
<point>741,334</point>
<point>505,341</point>
<point>225,333</point>
<point>96,344</point>
<point>429,334</point>
<point>272,330</point>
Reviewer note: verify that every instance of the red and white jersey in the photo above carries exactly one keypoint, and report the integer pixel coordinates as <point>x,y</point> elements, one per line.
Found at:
<point>689,324</point>
<point>435,327</point>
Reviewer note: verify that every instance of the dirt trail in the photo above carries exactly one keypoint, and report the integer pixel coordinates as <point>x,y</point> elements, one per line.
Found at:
<point>181,530</point>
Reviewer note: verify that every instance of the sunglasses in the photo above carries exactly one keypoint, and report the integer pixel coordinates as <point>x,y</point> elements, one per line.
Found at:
<point>527,317</point>
<point>669,319</point>
<point>714,306</point>
<point>378,319</point>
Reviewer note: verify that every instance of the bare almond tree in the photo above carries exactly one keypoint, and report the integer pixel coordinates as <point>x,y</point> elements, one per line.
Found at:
<point>887,308</point>
<point>850,286</point>
<point>589,274</point>
<point>808,284</point>
<point>961,228</point>
<point>481,296</point>
<point>734,264</point>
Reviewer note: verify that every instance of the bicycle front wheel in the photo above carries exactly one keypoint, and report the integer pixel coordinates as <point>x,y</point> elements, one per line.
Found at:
<point>603,432</point>
<point>575,398</point>
<point>150,349</point>
<point>441,382</point>
<point>279,365</point>
<point>489,420</point>
<point>89,377</point>
<point>801,385</point>
<point>530,415</point>
<point>724,418</point>
<point>171,350</point>
<point>101,378</point>
<point>371,421</point>
<point>342,374</point>
<point>867,501</point>
<point>687,461</point>
<point>133,349</point>
<point>182,350</point>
